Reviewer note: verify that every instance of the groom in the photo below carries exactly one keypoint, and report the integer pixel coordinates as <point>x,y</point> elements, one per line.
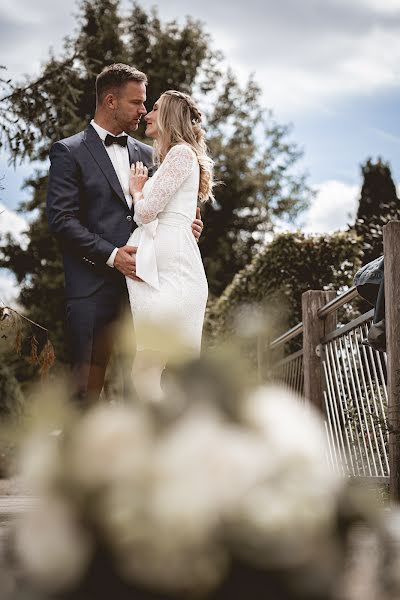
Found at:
<point>90,211</point>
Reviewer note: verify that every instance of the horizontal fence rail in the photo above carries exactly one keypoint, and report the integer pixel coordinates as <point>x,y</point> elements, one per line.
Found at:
<point>286,337</point>
<point>338,302</point>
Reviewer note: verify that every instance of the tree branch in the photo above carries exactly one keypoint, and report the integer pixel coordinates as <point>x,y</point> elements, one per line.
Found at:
<point>40,80</point>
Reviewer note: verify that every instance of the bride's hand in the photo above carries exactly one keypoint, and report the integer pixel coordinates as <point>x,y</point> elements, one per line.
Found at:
<point>139,176</point>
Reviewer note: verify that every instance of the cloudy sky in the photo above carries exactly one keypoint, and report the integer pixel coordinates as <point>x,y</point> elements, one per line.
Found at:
<point>329,67</point>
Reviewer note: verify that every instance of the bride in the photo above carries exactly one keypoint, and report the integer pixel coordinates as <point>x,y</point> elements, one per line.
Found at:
<point>173,287</point>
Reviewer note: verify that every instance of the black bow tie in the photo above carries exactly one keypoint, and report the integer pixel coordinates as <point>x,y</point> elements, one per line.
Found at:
<point>122,140</point>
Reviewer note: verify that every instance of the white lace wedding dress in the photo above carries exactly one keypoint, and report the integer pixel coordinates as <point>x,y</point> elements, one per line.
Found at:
<point>174,288</point>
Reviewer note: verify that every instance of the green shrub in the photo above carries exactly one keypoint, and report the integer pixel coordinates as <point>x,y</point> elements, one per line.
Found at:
<point>278,275</point>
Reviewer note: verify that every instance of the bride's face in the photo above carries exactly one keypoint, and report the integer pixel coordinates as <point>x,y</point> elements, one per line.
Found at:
<point>151,121</point>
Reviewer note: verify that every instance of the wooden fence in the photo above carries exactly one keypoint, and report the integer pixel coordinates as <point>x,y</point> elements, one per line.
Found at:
<point>356,388</point>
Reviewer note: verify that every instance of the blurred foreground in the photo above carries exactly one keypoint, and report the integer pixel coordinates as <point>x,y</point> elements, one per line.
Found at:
<point>219,491</point>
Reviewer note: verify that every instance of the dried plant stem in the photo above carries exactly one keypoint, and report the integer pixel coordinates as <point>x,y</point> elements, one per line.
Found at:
<point>47,356</point>
<point>26,318</point>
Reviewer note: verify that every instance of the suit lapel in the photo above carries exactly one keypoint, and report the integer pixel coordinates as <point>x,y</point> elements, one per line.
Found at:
<point>135,153</point>
<point>133,149</point>
<point>99,153</point>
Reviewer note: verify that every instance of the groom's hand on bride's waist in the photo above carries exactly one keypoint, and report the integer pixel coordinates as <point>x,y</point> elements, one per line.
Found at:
<point>125,261</point>
<point>197,225</point>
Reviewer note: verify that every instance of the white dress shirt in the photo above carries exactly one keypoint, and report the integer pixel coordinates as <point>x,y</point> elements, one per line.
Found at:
<point>119,157</point>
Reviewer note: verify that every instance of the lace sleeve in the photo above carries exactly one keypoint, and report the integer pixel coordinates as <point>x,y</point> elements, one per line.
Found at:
<point>176,167</point>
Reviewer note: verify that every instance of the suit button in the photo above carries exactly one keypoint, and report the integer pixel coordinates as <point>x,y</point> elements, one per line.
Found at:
<point>129,218</point>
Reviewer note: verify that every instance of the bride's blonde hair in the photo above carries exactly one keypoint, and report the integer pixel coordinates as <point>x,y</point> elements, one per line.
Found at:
<point>179,122</point>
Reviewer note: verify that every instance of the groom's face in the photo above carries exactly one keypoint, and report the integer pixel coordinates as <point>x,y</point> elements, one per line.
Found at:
<point>129,106</point>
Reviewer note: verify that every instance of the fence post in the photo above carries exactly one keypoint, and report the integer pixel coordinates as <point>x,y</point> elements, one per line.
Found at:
<point>314,330</point>
<point>391,245</point>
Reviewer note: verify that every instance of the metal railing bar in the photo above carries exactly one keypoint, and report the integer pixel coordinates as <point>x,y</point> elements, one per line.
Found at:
<point>329,445</point>
<point>371,380</point>
<point>353,396</point>
<point>364,367</point>
<point>334,411</point>
<point>281,374</point>
<point>295,371</point>
<point>360,397</point>
<point>337,302</point>
<point>323,312</point>
<point>290,374</point>
<point>287,336</point>
<point>293,374</point>
<point>332,438</point>
<point>345,407</point>
<point>289,358</point>
<point>341,356</point>
<point>383,378</point>
<point>348,327</point>
<point>298,378</point>
<point>339,402</point>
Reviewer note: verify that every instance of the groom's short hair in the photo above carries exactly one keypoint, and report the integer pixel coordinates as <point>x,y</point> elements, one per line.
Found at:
<point>116,76</point>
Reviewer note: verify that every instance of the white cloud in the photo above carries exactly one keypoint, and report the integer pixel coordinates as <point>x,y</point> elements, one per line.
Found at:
<point>305,55</point>
<point>29,30</point>
<point>333,207</point>
<point>380,6</point>
<point>8,289</point>
<point>327,67</point>
<point>12,222</point>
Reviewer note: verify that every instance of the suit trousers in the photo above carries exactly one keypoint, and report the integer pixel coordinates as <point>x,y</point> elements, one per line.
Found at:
<point>92,325</point>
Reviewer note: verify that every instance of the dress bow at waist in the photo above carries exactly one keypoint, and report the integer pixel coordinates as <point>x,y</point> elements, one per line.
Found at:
<point>146,262</point>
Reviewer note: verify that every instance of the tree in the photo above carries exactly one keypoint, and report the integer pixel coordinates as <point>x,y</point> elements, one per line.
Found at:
<point>378,204</point>
<point>253,156</point>
<point>254,162</point>
<point>173,56</point>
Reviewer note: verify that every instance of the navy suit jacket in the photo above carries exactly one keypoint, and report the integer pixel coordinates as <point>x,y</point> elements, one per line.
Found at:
<point>87,210</point>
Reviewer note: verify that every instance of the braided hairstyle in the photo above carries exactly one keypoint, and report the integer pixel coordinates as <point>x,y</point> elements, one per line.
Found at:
<point>179,122</point>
